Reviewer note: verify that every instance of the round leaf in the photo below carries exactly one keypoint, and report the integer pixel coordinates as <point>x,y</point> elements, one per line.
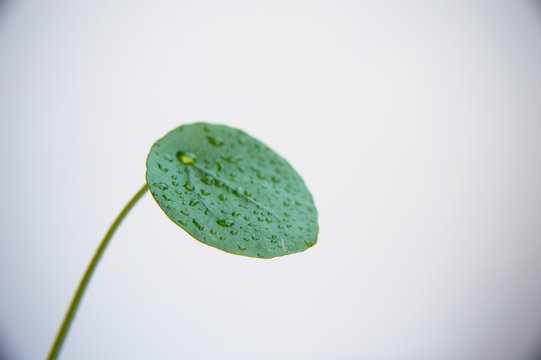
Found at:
<point>230,191</point>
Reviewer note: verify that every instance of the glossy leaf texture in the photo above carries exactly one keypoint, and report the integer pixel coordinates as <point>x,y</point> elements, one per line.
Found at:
<point>231,191</point>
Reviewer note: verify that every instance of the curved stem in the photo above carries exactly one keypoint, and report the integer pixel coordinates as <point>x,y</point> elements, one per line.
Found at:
<point>68,318</point>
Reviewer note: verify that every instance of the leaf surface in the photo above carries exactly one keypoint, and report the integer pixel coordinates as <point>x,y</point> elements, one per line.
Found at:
<point>230,191</point>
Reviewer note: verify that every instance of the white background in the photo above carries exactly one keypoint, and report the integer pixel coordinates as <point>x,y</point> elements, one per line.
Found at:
<point>415,124</point>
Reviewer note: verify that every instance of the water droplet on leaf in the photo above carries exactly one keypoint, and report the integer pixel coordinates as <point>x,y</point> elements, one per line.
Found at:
<point>225,222</point>
<point>187,158</point>
<point>215,140</point>
<point>161,186</point>
<point>197,225</point>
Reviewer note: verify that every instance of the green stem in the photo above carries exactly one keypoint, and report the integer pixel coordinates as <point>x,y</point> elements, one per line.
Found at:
<point>62,332</point>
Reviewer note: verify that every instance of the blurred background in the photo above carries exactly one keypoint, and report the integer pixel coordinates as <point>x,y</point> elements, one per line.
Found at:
<point>416,125</point>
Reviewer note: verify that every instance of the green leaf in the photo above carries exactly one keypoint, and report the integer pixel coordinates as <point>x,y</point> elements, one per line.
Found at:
<point>230,191</point>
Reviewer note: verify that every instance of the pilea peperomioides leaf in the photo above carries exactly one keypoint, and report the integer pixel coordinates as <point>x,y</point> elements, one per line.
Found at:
<point>227,190</point>
<point>230,191</point>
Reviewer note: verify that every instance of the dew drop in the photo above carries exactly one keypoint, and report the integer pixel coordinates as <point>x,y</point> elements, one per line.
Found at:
<point>161,186</point>
<point>187,158</point>
<point>197,225</point>
<point>207,180</point>
<point>168,157</point>
<point>215,140</point>
<point>188,186</point>
<point>232,159</point>
<point>224,222</point>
